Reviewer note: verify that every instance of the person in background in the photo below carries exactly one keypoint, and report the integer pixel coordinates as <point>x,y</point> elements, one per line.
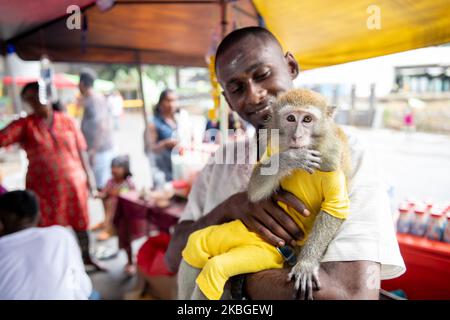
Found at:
<point>96,128</point>
<point>58,167</point>
<point>2,188</point>
<point>115,103</point>
<point>120,182</point>
<point>235,123</point>
<point>37,263</point>
<point>160,137</point>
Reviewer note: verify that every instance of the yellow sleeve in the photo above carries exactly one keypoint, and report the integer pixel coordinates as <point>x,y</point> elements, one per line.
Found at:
<point>336,201</point>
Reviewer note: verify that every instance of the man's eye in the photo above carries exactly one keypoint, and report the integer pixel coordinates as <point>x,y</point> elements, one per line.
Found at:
<point>290,118</point>
<point>263,75</point>
<point>307,119</point>
<point>236,89</point>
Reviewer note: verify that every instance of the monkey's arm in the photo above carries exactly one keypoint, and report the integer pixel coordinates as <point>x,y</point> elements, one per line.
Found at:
<point>306,271</point>
<point>335,208</point>
<point>266,179</point>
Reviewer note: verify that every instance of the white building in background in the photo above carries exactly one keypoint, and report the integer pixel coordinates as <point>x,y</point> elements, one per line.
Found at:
<point>420,70</point>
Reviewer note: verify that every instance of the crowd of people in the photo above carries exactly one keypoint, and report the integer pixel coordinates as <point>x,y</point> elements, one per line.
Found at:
<point>67,164</point>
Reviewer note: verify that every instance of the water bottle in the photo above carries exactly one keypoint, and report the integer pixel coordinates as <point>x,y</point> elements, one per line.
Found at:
<point>405,217</point>
<point>436,224</point>
<point>47,92</point>
<point>420,221</point>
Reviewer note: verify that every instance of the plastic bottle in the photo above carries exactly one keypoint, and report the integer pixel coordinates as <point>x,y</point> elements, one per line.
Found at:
<point>46,90</point>
<point>405,217</point>
<point>420,221</point>
<point>436,224</point>
<point>446,233</point>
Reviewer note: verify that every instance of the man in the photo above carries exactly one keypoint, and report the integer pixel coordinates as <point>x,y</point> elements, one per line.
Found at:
<point>253,70</point>
<point>37,263</point>
<point>96,129</point>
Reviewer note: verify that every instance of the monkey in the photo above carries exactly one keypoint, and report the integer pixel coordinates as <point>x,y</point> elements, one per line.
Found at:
<point>312,150</point>
<point>306,131</point>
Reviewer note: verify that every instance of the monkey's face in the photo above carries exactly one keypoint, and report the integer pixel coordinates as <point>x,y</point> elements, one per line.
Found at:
<point>297,126</point>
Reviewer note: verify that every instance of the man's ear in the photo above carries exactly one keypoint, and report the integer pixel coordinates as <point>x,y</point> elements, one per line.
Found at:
<point>224,94</point>
<point>292,64</point>
<point>331,111</point>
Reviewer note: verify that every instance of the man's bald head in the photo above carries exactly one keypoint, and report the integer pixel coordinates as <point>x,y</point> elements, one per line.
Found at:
<point>252,70</point>
<point>240,35</point>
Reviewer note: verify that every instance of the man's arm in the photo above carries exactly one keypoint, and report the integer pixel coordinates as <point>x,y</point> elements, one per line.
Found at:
<point>265,217</point>
<point>340,280</point>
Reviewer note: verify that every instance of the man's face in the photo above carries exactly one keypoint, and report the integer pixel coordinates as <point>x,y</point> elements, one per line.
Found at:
<point>252,73</point>
<point>82,88</point>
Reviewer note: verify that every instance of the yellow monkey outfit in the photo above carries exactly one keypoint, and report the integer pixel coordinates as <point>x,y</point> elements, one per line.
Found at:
<point>226,250</point>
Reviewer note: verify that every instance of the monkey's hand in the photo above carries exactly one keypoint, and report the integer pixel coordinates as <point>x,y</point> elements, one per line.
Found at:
<point>305,159</point>
<point>306,275</point>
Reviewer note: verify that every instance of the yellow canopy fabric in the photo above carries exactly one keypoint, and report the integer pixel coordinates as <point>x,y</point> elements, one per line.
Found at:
<point>327,32</point>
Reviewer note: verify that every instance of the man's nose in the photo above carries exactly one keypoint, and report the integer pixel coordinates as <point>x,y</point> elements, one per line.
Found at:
<point>256,94</point>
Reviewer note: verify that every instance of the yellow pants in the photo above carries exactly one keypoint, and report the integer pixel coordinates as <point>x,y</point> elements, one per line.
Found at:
<point>227,250</point>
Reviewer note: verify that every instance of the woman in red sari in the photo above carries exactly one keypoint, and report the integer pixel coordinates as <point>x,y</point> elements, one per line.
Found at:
<point>58,170</point>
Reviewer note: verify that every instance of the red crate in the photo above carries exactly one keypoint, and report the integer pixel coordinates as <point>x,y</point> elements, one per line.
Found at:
<point>427,273</point>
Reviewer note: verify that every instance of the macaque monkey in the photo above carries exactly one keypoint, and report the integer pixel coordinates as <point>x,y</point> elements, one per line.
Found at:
<point>307,132</point>
<point>313,160</point>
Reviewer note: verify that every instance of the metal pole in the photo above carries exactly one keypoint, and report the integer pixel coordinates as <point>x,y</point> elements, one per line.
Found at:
<point>9,66</point>
<point>223,106</point>
<point>141,87</point>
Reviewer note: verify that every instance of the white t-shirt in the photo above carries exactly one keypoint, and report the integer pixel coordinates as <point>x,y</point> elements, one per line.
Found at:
<point>367,234</point>
<point>42,264</point>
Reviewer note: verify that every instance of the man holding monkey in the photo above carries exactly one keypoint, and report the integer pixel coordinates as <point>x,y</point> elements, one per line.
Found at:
<point>253,70</point>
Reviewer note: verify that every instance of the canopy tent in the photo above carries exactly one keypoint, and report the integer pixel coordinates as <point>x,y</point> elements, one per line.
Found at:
<point>319,33</point>
<point>156,32</point>
<point>327,32</point>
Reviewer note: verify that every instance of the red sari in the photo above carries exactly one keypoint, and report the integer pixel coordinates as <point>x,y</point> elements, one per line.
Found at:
<point>55,171</point>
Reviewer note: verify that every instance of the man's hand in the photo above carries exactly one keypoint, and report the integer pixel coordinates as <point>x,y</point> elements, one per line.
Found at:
<point>91,154</point>
<point>267,218</point>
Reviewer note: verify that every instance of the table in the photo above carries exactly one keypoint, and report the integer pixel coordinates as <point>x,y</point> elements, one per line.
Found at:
<point>427,273</point>
<point>134,218</point>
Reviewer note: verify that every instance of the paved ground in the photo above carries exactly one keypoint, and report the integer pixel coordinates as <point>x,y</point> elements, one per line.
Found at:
<point>417,165</point>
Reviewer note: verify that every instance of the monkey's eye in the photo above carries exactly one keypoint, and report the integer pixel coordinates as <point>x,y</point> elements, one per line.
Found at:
<point>290,118</point>
<point>307,119</point>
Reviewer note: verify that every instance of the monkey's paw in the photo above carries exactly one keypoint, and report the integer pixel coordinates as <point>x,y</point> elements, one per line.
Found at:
<point>306,277</point>
<point>307,159</point>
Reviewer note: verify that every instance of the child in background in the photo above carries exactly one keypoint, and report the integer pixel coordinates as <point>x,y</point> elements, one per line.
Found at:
<point>119,183</point>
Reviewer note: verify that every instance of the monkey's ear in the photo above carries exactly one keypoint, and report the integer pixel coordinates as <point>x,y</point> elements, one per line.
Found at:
<point>331,111</point>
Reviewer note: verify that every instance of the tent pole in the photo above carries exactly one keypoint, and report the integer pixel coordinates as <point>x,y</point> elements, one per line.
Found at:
<point>9,70</point>
<point>223,106</point>
<point>141,87</point>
